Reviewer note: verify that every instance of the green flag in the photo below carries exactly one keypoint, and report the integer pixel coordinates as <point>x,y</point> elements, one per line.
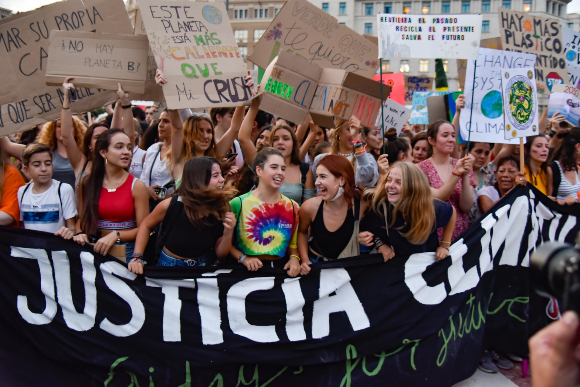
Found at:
<point>440,76</point>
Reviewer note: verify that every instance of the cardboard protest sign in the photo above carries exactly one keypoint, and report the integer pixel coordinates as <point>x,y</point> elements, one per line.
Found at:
<point>522,32</point>
<point>396,81</point>
<point>565,100</point>
<point>572,53</point>
<point>25,100</point>
<point>308,31</point>
<point>520,102</point>
<point>419,112</point>
<point>288,86</point>
<point>432,36</point>
<point>442,107</point>
<point>98,60</point>
<point>343,94</point>
<point>487,117</point>
<point>394,115</point>
<point>413,84</point>
<point>194,45</point>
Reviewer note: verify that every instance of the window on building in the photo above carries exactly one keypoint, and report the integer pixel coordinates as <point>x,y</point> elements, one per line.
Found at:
<point>527,5</point>
<point>445,63</point>
<point>388,7</point>
<point>236,14</point>
<point>276,11</point>
<point>485,7</point>
<point>424,66</point>
<point>243,51</point>
<point>255,14</point>
<point>266,13</point>
<point>369,11</point>
<point>547,7</point>
<point>445,7</point>
<point>570,25</point>
<point>426,9</point>
<point>342,23</point>
<point>506,4</point>
<point>241,36</point>
<point>342,9</point>
<point>554,5</point>
<point>245,14</point>
<point>325,7</point>
<point>386,66</point>
<point>404,66</point>
<point>258,34</point>
<point>407,8</point>
<point>559,9</point>
<point>465,6</point>
<point>369,28</point>
<point>261,13</point>
<point>485,26</point>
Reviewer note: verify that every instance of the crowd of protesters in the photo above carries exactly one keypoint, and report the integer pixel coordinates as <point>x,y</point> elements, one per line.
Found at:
<point>238,185</point>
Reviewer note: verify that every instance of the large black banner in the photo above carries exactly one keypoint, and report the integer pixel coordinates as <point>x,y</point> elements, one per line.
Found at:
<point>71,318</point>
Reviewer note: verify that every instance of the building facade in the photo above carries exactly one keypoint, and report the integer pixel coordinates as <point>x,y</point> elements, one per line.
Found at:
<point>4,13</point>
<point>251,18</point>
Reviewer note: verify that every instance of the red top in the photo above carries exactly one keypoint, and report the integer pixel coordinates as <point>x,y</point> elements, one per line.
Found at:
<point>117,209</point>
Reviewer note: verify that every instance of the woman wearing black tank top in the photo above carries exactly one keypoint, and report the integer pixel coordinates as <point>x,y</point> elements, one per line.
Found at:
<point>332,217</point>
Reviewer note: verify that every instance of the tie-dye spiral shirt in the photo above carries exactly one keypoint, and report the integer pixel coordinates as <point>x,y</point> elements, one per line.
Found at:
<point>265,228</point>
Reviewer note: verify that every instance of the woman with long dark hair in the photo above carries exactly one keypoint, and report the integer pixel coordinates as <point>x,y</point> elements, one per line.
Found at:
<point>403,217</point>
<point>112,202</point>
<point>266,220</point>
<point>566,176</point>
<point>332,217</point>
<point>197,222</point>
<point>537,170</point>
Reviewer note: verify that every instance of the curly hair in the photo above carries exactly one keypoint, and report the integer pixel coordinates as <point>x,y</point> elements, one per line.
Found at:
<point>47,133</point>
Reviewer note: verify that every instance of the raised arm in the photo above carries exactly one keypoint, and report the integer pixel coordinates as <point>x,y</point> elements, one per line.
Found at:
<point>503,150</point>
<point>309,142</point>
<point>302,128</point>
<point>459,105</point>
<point>128,124</point>
<point>245,135</point>
<point>74,155</point>
<point>225,143</point>
<point>117,121</point>
<point>13,149</point>
<point>446,190</point>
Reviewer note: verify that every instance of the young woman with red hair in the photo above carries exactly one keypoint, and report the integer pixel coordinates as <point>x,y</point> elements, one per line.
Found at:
<point>332,217</point>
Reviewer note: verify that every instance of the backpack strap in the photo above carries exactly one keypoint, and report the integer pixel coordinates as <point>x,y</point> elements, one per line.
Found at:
<point>59,197</point>
<point>304,167</point>
<point>23,192</point>
<point>153,164</point>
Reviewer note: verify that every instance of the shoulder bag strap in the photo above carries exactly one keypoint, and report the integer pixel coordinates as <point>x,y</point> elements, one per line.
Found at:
<point>154,160</point>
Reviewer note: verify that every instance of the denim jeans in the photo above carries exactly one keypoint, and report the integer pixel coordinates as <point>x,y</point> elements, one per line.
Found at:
<point>167,260</point>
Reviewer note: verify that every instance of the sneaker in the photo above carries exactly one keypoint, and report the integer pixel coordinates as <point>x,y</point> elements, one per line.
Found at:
<point>486,364</point>
<point>513,357</point>
<point>501,361</point>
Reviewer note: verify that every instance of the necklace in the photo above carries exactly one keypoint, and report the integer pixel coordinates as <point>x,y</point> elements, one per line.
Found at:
<point>346,154</point>
<point>118,184</point>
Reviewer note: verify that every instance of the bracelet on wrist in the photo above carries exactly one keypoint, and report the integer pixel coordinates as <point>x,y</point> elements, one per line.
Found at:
<point>361,150</point>
<point>295,256</point>
<point>456,174</point>
<point>242,258</point>
<point>126,106</point>
<point>138,255</point>
<point>133,259</point>
<point>72,229</point>
<point>445,247</point>
<point>79,233</point>
<point>63,108</point>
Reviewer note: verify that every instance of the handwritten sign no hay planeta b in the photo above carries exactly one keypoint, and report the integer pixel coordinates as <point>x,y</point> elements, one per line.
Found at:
<point>309,32</point>
<point>194,45</point>
<point>522,32</point>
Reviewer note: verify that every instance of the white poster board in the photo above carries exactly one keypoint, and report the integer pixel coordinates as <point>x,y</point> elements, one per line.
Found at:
<point>429,36</point>
<point>394,115</point>
<point>487,116</point>
<point>572,54</point>
<point>565,100</point>
<point>520,102</point>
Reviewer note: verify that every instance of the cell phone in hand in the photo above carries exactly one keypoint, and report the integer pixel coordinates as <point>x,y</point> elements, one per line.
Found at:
<point>231,156</point>
<point>161,192</point>
<point>72,95</point>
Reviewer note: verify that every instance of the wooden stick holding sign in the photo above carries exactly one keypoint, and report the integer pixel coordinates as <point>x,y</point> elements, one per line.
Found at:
<point>520,105</point>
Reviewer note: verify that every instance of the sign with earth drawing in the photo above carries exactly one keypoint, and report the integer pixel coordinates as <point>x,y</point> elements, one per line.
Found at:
<point>572,53</point>
<point>520,102</point>
<point>487,123</point>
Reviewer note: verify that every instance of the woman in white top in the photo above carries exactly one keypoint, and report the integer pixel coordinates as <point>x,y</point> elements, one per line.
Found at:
<point>566,179</point>
<point>156,171</point>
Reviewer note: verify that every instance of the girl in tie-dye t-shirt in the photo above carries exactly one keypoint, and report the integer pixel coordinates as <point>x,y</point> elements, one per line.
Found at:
<point>266,230</point>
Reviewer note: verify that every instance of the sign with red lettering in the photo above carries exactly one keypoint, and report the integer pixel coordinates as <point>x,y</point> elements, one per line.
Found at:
<point>193,43</point>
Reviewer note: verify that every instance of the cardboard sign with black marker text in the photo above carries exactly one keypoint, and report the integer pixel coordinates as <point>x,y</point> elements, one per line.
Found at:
<point>394,115</point>
<point>25,100</point>
<point>522,32</point>
<point>342,94</point>
<point>194,45</point>
<point>306,30</point>
<point>288,86</point>
<point>98,60</point>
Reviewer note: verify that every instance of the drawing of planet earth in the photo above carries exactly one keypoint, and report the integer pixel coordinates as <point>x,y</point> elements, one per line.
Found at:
<point>212,14</point>
<point>491,104</point>
<point>571,55</point>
